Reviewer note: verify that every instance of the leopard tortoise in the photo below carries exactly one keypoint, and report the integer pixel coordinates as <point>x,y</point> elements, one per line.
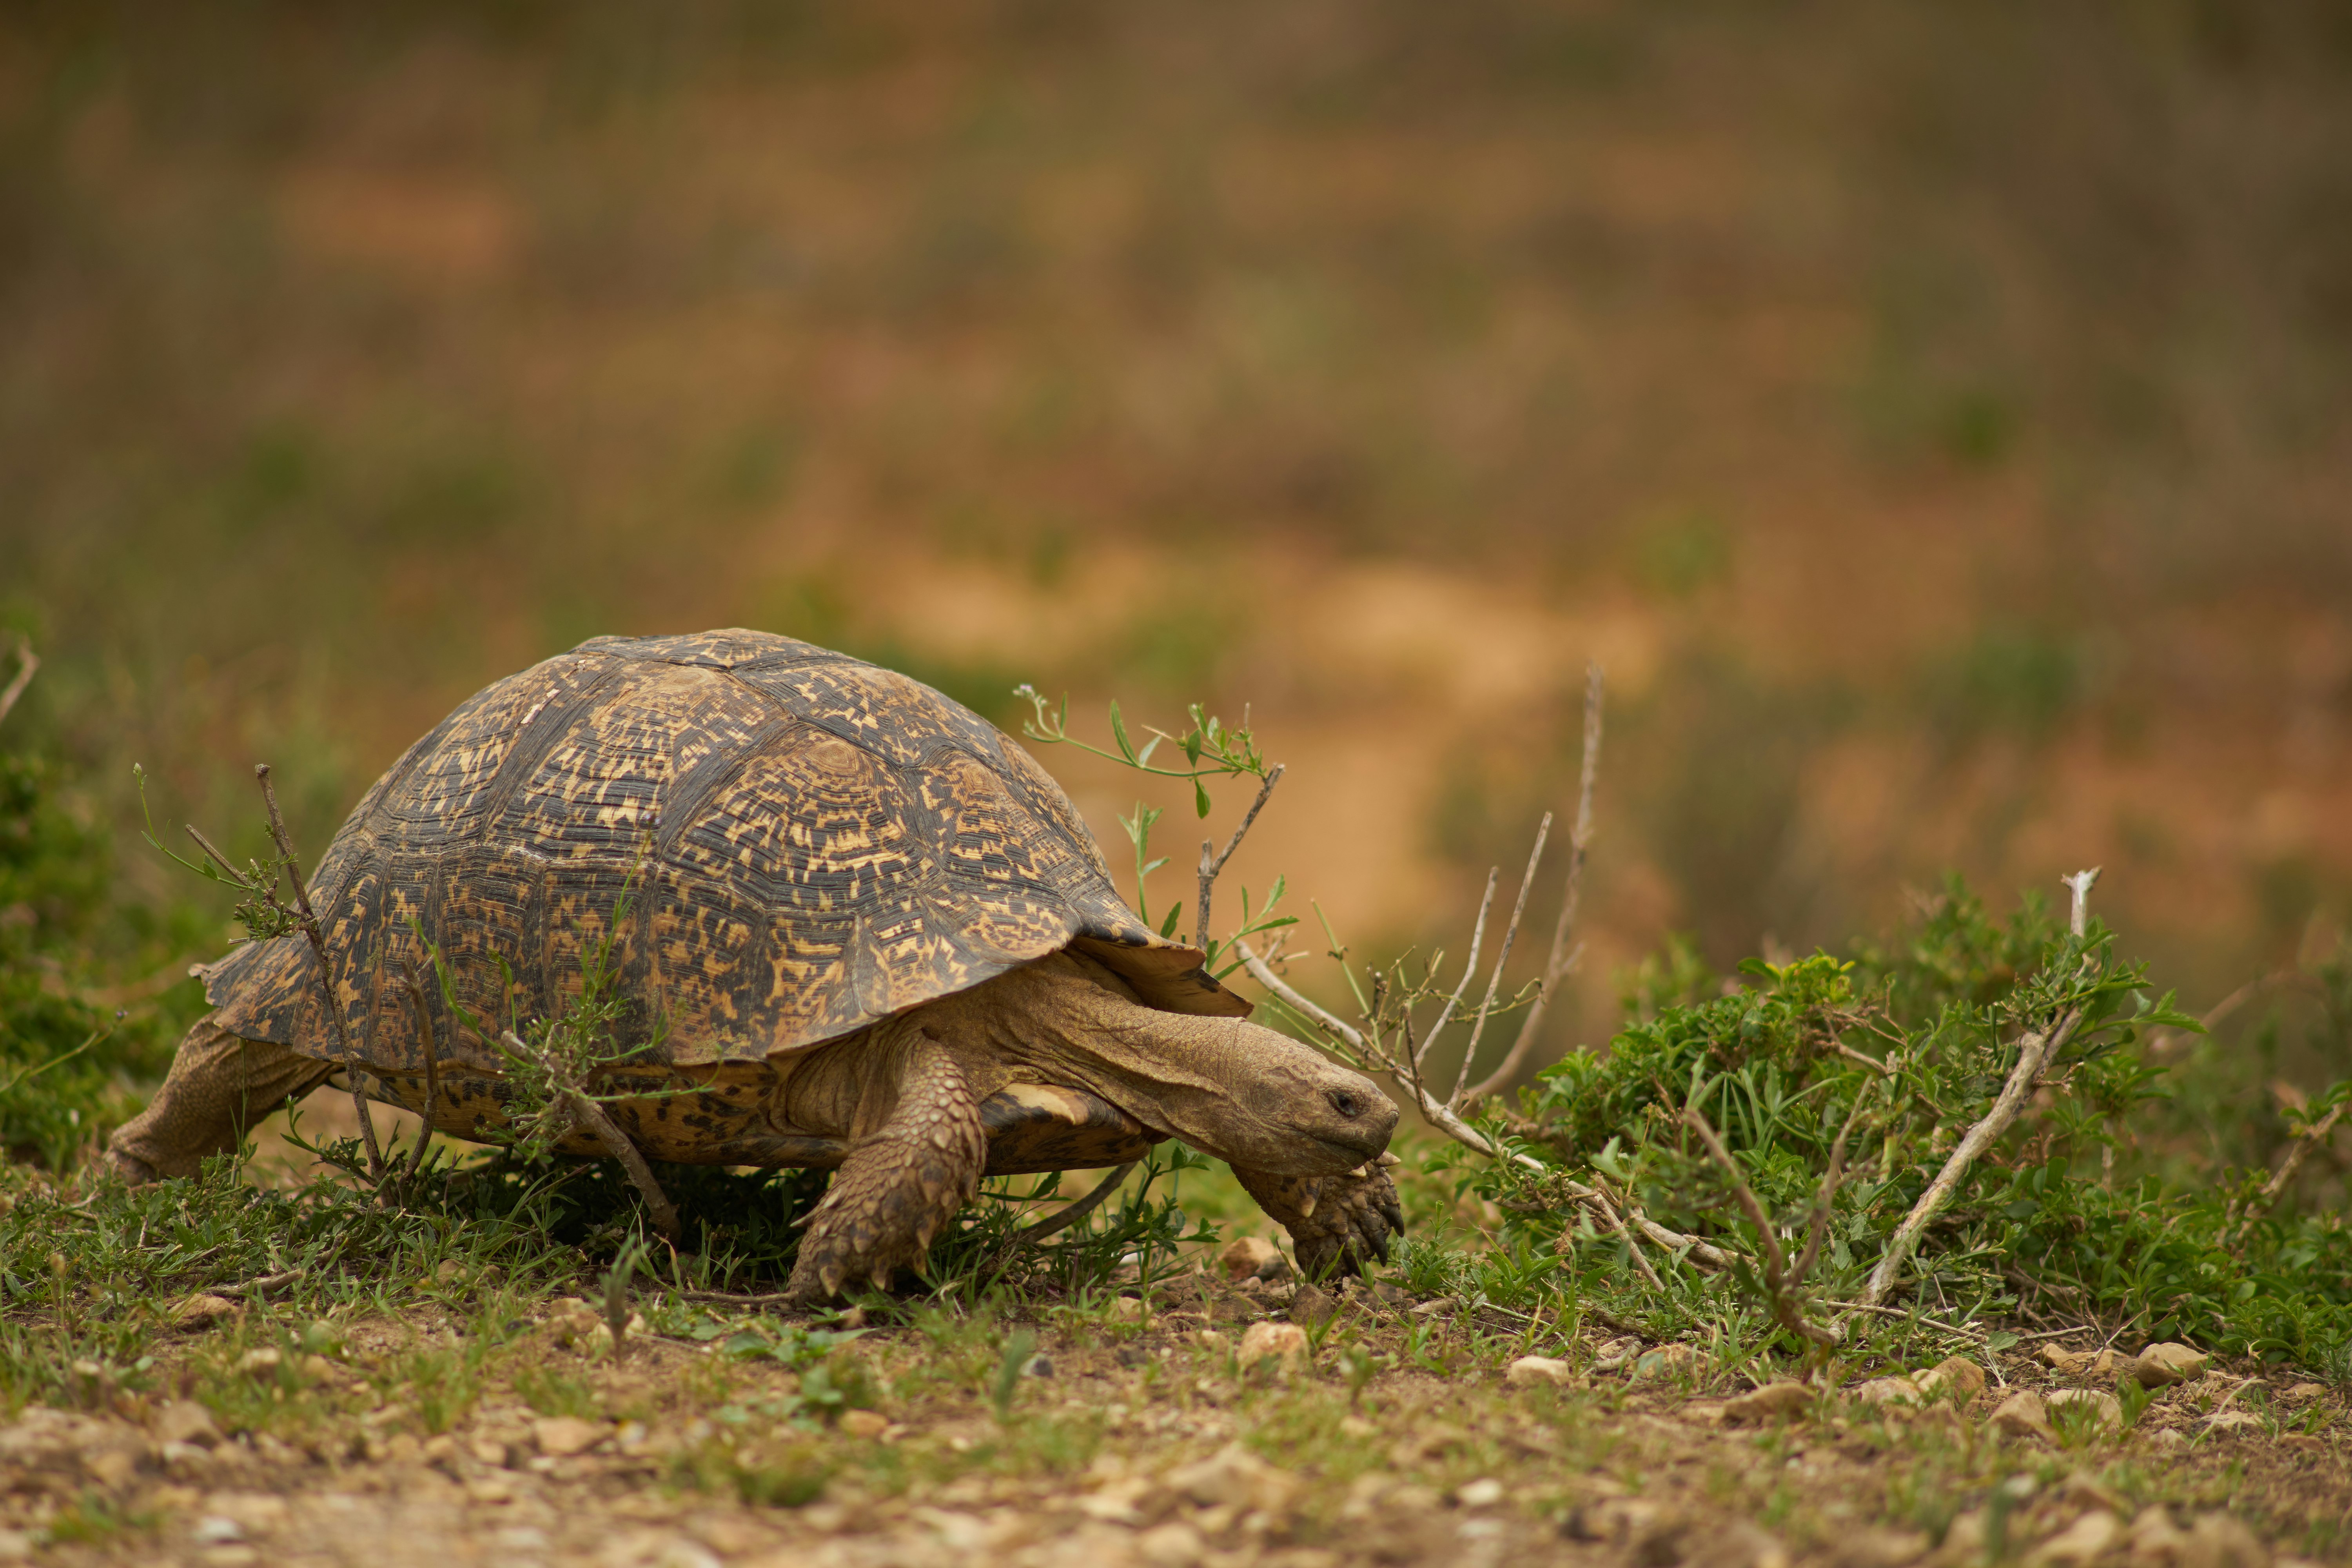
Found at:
<point>866,933</point>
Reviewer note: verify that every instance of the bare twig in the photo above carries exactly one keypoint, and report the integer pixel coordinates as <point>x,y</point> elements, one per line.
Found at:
<point>1494,980</point>
<point>1608,1211</point>
<point>1031,1235</point>
<point>432,1071</point>
<point>1212,863</point>
<point>213,853</point>
<point>309,922</point>
<point>2310,1139</point>
<point>1778,1286</point>
<point>2079,885</point>
<point>1562,960</point>
<point>2033,1053</point>
<point>1469,969</point>
<point>1831,1179</point>
<point>582,1109</point>
<point>256,1288</point>
<point>27,661</point>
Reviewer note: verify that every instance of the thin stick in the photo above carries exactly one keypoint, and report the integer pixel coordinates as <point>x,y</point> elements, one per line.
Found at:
<point>2080,884</point>
<point>326,972</point>
<point>1469,970</point>
<point>261,1287</point>
<point>1562,960</point>
<point>1776,1264</point>
<point>1494,980</point>
<point>2308,1139</point>
<point>583,1109</point>
<point>2033,1054</point>
<point>1831,1179</point>
<point>1212,864</point>
<point>432,1071</point>
<point>1077,1211</point>
<point>26,663</point>
<point>1632,1242</point>
<point>217,858</point>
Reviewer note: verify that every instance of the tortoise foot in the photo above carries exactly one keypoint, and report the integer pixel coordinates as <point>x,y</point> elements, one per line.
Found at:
<point>1337,1224</point>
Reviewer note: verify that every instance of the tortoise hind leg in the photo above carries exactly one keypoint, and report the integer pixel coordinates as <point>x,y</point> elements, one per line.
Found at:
<point>903,1180</point>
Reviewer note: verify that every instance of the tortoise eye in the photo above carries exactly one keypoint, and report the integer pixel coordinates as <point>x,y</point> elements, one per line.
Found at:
<point>1347,1103</point>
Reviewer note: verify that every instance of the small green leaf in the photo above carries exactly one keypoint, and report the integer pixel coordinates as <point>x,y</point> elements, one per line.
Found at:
<point>1199,798</point>
<point>1167,926</point>
<point>1119,732</point>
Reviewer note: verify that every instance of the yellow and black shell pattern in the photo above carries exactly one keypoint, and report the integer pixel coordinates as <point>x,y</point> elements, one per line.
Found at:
<point>798,845</point>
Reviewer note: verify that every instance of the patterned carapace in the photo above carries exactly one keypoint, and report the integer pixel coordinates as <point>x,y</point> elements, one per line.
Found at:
<point>809,844</point>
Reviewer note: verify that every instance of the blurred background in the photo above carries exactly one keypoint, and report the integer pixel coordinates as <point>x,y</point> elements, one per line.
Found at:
<point>1936,419</point>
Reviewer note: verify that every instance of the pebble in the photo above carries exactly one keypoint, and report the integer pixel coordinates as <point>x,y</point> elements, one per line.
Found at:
<point>865,1422</point>
<point>560,1437</point>
<point>2023,1414</point>
<point>1252,1257</point>
<point>2110,1414</point>
<point>203,1311</point>
<point>1312,1304</point>
<point>1533,1370</point>
<point>1284,1343</point>
<point>2084,1541</point>
<point>1483,1493</point>
<point>1773,1402</point>
<point>186,1420</point>
<point>2161,1365</point>
<point>1663,1362</point>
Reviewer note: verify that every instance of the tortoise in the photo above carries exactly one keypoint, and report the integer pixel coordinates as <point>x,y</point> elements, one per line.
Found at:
<point>862,930</point>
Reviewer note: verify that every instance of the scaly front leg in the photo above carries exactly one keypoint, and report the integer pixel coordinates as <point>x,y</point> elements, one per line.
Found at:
<point>1337,1224</point>
<point>903,1180</point>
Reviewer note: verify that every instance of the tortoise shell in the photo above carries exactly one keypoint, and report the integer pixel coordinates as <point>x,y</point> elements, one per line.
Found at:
<point>800,845</point>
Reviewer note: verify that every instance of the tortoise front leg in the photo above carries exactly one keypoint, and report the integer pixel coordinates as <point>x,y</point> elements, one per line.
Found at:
<point>1337,1224</point>
<point>903,1180</point>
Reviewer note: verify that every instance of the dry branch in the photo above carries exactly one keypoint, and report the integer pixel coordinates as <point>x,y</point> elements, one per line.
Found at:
<point>1562,960</point>
<point>1779,1285</point>
<point>432,1071</point>
<point>1078,1210</point>
<point>309,923</point>
<point>27,662</point>
<point>2033,1054</point>
<point>1212,863</point>
<point>1478,939</point>
<point>1494,980</point>
<point>2309,1139</point>
<point>576,1103</point>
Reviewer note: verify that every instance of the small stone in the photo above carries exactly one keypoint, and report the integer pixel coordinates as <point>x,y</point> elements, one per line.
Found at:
<point>317,1369</point>
<point>1890,1391</point>
<point>1483,1493</point>
<point>1875,1546</point>
<point>1957,1376</point>
<point>560,1437</point>
<point>1537,1371</point>
<point>2221,1541</point>
<point>2084,1541</point>
<point>490,1490</point>
<point>1171,1545</point>
<point>865,1422</point>
<point>1312,1304</point>
<point>1233,1478</point>
<point>2233,1423</point>
<point>15,1546</point>
<point>1127,1310</point>
<point>203,1311</point>
<point>186,1420</point>
<point>2155,1540</point>
<point>2168,1438</point>
<point>260,1362</point>
<point>1782,1401</point>
<point>1284,1343</point>
<point>2303,1390</point>
<point>1252,1257</point>
<point>2161,1365</point>
<point>217,1530</point>
<point>2023,1414</point>
<point>489,1451</point>
<point>449,1271</point>
<point>1664,1361</point>
<point>683,1553</point>
<point>2107,1411</point>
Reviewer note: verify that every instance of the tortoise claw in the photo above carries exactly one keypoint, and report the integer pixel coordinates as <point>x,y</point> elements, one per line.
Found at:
<point>1337,1224</point>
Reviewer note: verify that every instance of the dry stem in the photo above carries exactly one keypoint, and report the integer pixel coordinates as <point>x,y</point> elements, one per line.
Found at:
<point>1212,863</point>
<point>2305,1141</point>
<point>1477,937</point>
<point>583,1110</point>
<point>1562,960</point>
<point>1080,1209</point>
<point>309,922</point>
<point>2033,1054</point>
<point>27,661</point>
<point>1777,1282</point>
<point>1494,980</point>
<point>432,1072</point>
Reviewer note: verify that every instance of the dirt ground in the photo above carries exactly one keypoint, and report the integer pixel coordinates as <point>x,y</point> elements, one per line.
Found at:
<point>484,1429</point>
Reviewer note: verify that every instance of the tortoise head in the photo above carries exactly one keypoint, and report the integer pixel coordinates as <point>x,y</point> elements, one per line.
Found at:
<point>1243,1092</point>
